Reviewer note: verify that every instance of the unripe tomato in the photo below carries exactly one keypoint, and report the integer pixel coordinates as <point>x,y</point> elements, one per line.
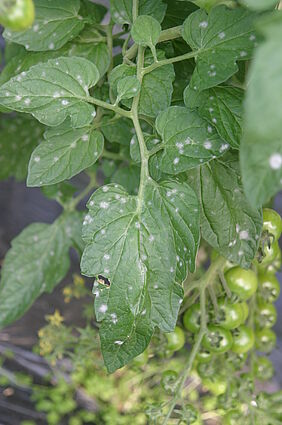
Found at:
<point>272,222</point>
<point>216,384</point>
<point>217,339</point>
<point>263,368</point>
<point>230,315</point>
<point>270,253</point>
<point>243,340</point>
<point>241,282</point>
<point>266,315</point>
<point>169,381</point>
<point>245,311</point>
<point>269,287</point>
<point>192,318</point>
<point>175,339</point>
<point>265,340</point>
<point>203,356</point>
<point>19,16</point>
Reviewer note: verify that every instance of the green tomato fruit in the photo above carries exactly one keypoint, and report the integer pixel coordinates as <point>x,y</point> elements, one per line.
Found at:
<point>241,282</point>
<point>272,222</point>
<point>270,253</point>
<point>269,287</point>
<point>19,16</point>
<point>203,356</point>
<point>192,318</point>
<point>265,340</point>
<point>175,339</point>
<point>263,368</point>
<point>245,311</point>
<point>169,381</point>
<point>266,315</point>
<point>216,384</point>
<point>230,315</point>
<point>243,340</point>
<point>217,339</point>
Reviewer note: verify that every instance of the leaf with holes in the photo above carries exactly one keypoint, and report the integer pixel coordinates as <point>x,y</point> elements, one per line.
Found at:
<point>65,153</point>
<point>222,107</point>
<point>53,91</point>
<point>233,231</point>
<point>188,140</point>
<point>124,238</point>
<point>56,22</point>
<point>219,40</point>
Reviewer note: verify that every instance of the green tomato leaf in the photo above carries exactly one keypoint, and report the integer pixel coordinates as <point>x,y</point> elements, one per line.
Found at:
<point>222,107</point>
<point>37,261</point>
<point>118,131</point>
<point>56,22</point>
<point>18,138</point>
<point>188,140</point>
<point>127,88</point>
<point>220,39</point>
<point>92,12</point>
<point>65,153</point>
<point>146,31</point>
<point>121,10</point>
<point>127,176</point>
<point>53,91</point>
<point>228,222</point>
<point>95,53</point>
<point>124,238</point>
<point>261,147</point>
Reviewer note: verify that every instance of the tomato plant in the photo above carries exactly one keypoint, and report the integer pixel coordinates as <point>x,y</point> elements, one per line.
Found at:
<point>156,126</point>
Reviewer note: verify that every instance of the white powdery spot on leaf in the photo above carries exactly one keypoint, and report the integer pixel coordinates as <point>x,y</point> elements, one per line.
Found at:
<point>275,161</point>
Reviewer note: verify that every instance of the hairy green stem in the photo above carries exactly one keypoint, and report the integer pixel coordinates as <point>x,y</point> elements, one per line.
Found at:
<point>163,62</point>
<point>91,185</point>
<point>108,106</point>
<point>114,156</point>
<point>135,7</point>
<point>207,279</point>
<point>143,148</point>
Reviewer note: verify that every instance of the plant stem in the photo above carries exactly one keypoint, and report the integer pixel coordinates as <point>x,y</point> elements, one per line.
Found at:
<point>192,356</point>
<point>143,148</point>
<point>163,62</point>
<point>91,185</point>
<point>203,283</point>
<point>109,32</point>
<point>109,106</point>
<point>135,6</point>
<point>113,155</point>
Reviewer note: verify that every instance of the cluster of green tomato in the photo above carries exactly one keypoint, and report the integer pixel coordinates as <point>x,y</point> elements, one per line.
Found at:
<point>238,324</point>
